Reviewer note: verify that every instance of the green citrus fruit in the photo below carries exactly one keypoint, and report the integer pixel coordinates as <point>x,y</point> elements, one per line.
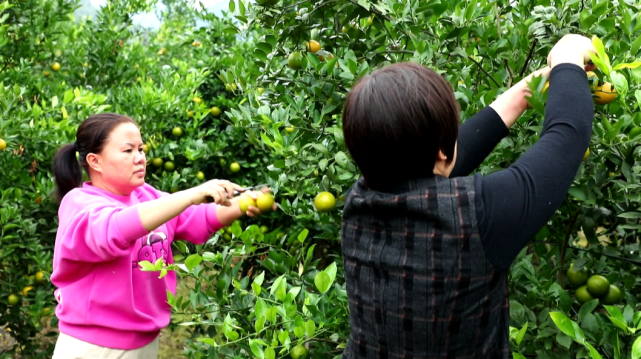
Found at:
<point>200,176</point>
<point>13,299</point>
<point>55,66</point>
<point>265,202</point>
<point>245,202</point>
<point>614,296</point>
<point>598,286</point>
<point>634,132</point>
<point>295,61</point>
<point>586,154</point>
<point>198,99</point>
<point>169,166</point>
<point>190,114</point>
<point>264,229</point>
<point>215,111</point>
<point>260,90</point>
<point>576,278</point>
<point>145,148</point>
<point>314,34</point>
<point>3,144</point>
<point>234,167</point>
<point>324,202</point>
<point>344,29</point>
<point>582,295</point>
<point>157,162</point>
<point>370,20</point>
<point>177,131</point>
<point>299,352</point>
<point>46,311</point>
<point>40,277</point>
<point>290,129</point>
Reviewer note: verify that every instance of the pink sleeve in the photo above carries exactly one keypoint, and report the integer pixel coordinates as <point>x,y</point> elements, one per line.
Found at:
<point>196,224</point>
<point>95,229</point>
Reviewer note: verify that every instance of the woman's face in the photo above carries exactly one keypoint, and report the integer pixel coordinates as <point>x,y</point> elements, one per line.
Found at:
<point>120,167</point>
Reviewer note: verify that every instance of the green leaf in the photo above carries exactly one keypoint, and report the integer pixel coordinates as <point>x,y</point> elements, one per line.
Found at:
<point>636,348</point>
<point>322,281</point>
<point>600,49</point>
<point>563,340</point>
<point>192,261</point>
<point>331,272</point>
<point>631,65</point>
<point>235,229</point>
<point>600,8</point>
<point>619,324</point>
<point>147,266</point>
<point>578,194</point>
<point>594,354</point>
<point>260,324</point>
<point>630,215</point>
<point>256,288</point>
<point>260,278</point>
<point>260,308</point>
<point>302,235</point>
<point>600,64</point>
<point>310,328</point>
<point>587,308</point>
<point>228,329</point>
<point>256,349</point>
<point>232,5</point>
<point>620,83</point>
<point>563,323</point>
<point>518,356</point>
<point>637,94</point>
<point>270,353</point>
<point>521,334</point>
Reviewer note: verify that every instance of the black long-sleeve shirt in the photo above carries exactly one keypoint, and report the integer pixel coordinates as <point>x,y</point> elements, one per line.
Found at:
<point>513,204</point>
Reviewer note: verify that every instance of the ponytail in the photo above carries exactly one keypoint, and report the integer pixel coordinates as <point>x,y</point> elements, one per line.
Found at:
<point>66,170</point>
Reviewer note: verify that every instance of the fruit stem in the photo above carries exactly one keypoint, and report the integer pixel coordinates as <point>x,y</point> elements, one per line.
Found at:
<point>564,247</point>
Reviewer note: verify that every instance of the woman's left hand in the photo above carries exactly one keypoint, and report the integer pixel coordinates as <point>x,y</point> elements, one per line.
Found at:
<point>255,211</point>
<point>512,103</point>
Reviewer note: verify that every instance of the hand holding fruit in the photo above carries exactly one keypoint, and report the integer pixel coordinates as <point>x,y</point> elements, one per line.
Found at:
<point>573,49</point>
<point>254,203</point>
<point>220,190</point>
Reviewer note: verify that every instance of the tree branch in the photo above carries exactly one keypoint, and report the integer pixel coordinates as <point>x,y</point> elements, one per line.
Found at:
<point>480,67</point>
<point>529,57</point>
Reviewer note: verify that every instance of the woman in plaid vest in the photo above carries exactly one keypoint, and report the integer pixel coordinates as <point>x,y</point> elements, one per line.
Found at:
<point>426,246</point>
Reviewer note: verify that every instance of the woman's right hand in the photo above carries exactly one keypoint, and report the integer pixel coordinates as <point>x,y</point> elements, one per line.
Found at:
<point>220,190</point>
<point>572,49</point>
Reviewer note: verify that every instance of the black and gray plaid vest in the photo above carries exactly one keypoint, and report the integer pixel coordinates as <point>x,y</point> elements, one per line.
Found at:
<point>418,282</point>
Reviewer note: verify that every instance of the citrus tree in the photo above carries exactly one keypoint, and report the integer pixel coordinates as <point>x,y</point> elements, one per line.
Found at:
<point>55,71</point>
<point>256,97</point>
<point>310,55</point>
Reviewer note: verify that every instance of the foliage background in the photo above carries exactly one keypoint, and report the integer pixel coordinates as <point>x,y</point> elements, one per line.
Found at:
<point>259,294</point>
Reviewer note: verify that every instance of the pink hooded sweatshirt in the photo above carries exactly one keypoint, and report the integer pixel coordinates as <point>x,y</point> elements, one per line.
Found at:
<point>103,296</point>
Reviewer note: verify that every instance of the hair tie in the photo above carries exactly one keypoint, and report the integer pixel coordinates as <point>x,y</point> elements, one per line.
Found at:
<point>74,146</point>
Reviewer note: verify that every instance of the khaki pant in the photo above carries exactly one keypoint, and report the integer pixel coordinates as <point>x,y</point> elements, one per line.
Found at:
<point>71,348</point>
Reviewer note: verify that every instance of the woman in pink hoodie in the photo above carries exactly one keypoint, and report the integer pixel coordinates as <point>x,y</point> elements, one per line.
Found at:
<point>108,307</point>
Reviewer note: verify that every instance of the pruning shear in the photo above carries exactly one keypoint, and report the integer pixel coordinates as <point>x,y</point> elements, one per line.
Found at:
<point>211,199</point>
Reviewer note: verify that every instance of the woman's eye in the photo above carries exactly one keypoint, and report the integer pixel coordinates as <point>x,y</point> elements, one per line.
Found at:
<point>128,151</point>
<point>140,150</point>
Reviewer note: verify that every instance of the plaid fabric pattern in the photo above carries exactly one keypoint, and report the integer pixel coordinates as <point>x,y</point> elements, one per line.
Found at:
<point>418,282</point>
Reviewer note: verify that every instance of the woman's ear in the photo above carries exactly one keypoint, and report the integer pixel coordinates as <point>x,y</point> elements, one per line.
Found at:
<point>441,156</point>
<point>95,162</point>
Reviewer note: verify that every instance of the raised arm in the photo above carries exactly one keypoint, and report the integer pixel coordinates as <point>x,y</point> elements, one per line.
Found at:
<point>513,204</point>
<point>482,132</point>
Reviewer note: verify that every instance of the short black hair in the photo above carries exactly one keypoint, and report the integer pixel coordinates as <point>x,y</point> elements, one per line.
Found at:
<point>396,120</point>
